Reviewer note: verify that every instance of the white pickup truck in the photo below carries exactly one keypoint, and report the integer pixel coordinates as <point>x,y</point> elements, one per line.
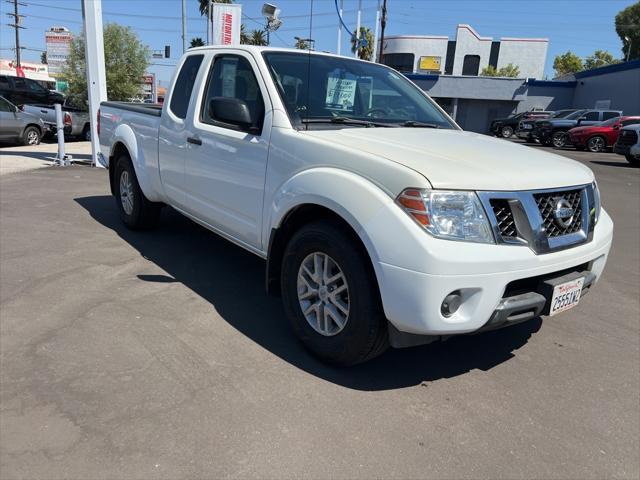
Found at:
<point>380,220</point>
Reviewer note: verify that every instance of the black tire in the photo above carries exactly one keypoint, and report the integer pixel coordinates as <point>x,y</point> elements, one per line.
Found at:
<point>635,161</point>
<point>86,133</point>
<point>506,131</point>
<point>141,213</point>
<point>31,135</point>
<point>596,144</point>
<point>559,139</point>
<point>364,335</point>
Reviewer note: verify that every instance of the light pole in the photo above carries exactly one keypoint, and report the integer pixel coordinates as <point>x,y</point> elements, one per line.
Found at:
<point>628,48</point>
<point>271,12</point>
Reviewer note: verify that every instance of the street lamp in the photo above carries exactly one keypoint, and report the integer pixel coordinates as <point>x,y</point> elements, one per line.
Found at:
<point>628,48</point>
<point>271,12</point>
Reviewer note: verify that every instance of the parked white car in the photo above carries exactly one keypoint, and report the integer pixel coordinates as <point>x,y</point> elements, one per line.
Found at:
<point>381,221</point>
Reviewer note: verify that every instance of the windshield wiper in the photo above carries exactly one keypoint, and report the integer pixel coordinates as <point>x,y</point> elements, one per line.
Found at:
<point>347,121</point>
<point>413,123</point>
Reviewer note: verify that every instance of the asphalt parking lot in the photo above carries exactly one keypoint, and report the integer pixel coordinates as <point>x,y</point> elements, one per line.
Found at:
<point>158,355</point>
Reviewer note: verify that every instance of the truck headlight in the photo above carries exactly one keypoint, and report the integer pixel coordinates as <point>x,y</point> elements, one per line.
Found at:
<point>452,215</point>
<point>596,202</point>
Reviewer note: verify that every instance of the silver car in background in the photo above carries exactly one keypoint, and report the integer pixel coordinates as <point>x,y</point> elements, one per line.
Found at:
<point>19,127</point>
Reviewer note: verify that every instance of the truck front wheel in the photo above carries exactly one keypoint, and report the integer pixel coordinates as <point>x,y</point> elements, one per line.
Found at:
<point>331,297</point>
<point>135,210</point>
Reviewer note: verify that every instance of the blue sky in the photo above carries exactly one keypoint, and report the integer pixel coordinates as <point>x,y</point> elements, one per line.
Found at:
<point>578,25</point>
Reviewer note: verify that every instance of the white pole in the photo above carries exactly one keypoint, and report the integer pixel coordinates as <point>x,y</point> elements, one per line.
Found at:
<point>359,17</point>
<point>375,34</point>
<point>339,47</point>
<point>60,160</point>
<point>96,77</point>
<point>184,26</point>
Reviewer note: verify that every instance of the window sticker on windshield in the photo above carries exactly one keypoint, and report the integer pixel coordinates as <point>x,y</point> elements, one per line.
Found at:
<point>341,93</point>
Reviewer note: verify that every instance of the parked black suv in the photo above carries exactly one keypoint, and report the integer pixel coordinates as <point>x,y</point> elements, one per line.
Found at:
<point>554,131</point>
<point>21,91</point>
<point>525,127</point>
<point>505,127</point>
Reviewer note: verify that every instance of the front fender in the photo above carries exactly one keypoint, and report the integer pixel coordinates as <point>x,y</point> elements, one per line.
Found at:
<point>385,230</point>
<point>124,135</point>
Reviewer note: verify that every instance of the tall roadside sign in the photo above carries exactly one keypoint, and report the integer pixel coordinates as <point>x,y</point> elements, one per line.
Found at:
<point>58,42</point>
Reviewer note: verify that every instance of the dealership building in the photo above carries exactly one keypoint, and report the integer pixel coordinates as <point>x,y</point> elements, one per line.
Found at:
<point>475,101</point>
<point>467,55</point>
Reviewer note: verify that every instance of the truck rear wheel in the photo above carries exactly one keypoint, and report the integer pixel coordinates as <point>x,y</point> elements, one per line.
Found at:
<point>135,210</point>
<point>331,297</point>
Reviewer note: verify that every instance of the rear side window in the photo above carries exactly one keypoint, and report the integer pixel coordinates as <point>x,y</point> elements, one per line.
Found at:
<point>184,86</point>
<point>4,82</point>
<point>591,116</point>
<point>608,115</point>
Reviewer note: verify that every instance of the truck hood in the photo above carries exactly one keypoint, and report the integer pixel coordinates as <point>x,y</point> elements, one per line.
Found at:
<point>456,159</point>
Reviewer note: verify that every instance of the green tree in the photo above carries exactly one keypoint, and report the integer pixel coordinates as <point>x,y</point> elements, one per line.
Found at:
<point>301,44</point>
<point>567,63</point>
<point>258,37</point>
<point>126,61</point>
<point>628,27</point>
<point>364,52</point>
<point>196,42</point>
<point>509,70</point>
<point>600,58</point>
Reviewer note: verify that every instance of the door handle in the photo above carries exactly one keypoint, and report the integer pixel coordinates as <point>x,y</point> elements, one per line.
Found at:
<point>195,141</point>
<point>43,111</point>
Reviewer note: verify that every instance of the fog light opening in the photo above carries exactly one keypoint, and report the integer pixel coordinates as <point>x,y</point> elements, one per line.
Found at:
<point>451,303</point>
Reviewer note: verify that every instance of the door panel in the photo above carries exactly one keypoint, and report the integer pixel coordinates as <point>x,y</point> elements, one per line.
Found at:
<point>172,134</point>
<point>225,174</point>
<point>9,124</point>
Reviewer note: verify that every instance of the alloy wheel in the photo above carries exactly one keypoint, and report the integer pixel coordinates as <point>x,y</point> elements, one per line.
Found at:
<point>32,137</point>
<point>126,192</point>
<point>323,294</point>
<point>595,144</point>
<point>559,139</point>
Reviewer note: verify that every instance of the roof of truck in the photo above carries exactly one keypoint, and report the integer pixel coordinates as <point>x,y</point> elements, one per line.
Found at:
<point>258,49</point>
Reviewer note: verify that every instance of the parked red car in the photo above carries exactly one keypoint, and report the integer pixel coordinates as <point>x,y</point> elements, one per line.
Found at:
<point>596,138</point>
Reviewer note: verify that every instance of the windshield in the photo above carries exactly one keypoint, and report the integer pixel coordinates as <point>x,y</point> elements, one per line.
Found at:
<point>608,123</point>
<point>575,115</point>
<point>323,89</point>
<point>562,113</point>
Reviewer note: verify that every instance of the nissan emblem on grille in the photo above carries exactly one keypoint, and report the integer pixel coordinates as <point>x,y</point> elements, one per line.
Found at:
<point>563,213</point>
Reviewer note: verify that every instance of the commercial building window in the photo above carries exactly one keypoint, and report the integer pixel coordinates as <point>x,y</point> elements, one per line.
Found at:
<point>403,62</point>
<point>184,86</point>
<point>471,65</point>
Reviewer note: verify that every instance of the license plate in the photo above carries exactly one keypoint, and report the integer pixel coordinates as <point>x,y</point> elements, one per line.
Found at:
<point>565,296</point>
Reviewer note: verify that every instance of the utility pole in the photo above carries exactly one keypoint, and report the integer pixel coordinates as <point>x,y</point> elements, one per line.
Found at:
<point>383,23</point>
<point>339,47</point>
<point>358,20</point>
<point>16,25</point>
<point>184,26</point>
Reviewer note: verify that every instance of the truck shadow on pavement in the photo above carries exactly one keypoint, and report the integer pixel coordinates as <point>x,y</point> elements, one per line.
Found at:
<point>232,280</point>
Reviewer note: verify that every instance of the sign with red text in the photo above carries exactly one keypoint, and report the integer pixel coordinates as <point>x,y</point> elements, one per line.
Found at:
<point>226,21</point>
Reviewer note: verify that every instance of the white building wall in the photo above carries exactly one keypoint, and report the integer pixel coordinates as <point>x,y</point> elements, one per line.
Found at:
<point>468,42</point>
<point>420,46</point>
<point>528,54</point>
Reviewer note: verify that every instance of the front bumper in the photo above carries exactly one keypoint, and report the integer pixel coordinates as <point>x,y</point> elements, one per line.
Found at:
<point>484,275</point>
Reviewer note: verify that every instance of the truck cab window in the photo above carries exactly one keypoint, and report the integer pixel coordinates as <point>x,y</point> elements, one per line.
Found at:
<point>232,76</point>
<point>184,86</point>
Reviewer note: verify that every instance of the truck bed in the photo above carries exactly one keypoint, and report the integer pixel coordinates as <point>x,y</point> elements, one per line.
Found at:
<point>144,108</point>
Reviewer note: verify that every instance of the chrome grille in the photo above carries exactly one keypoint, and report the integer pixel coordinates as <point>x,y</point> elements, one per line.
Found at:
<point>504,217</point>
<point>547,203</point>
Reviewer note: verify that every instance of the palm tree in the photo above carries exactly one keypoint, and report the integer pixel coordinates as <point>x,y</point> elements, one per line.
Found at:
<point>364,52</point>
<point>196,42</point>
<point>257,37</point>
<point>204,5</point>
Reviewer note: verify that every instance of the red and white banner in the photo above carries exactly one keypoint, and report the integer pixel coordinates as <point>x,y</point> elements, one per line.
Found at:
<point>226,21</point>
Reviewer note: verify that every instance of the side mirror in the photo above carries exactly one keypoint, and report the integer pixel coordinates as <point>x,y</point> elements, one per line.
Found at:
<point>232,111</point>
<point>581,119</point>
<point>616,126</point>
